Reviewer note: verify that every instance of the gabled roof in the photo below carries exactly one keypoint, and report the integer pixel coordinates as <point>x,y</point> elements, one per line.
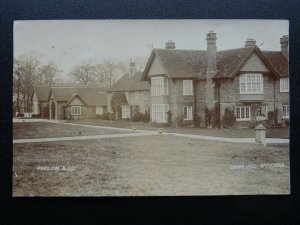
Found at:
<point>279,61</point>
<point>92,96</point>
<point>229,60</point>
<point>127,83</point>
<point>41,91</point>
<point>179,63</point>
<point>193,63</point>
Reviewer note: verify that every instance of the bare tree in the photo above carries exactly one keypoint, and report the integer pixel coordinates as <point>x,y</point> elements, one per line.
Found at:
<point>107,72</point>
<point>49,74</point>
<point>24,76</point>
<point>84,73</point>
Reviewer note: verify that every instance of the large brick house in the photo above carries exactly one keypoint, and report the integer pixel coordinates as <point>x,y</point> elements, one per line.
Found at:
<point>185,82</point>
<point>135,91</point>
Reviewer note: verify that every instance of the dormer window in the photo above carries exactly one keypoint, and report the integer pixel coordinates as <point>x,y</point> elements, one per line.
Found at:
<point>284,85</point>
<point>251,83</point>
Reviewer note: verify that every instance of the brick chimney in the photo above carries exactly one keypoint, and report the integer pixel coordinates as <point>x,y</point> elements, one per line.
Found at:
<point>170,45</point>
<point>211,38</point>
<point>132,69</point>
<point>284,41</point>
<point>250,42</point>
<point>211,69</point>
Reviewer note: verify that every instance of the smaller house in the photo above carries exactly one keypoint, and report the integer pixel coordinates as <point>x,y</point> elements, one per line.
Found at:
<point>76,102</point>
<point>86,104</point>
<point>136,92</point>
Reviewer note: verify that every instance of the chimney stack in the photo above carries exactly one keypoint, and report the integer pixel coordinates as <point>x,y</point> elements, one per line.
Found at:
<point>132,69</point>
<point>211,69</point>
<point>284,41</point>
<point>211,38</point>
<point>170,45</point>
<point>250,42</point>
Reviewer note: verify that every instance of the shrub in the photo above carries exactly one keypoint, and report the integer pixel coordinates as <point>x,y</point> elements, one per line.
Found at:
<point>228,118</point>
<point>104,116</point>
<point>116,101</point>
<point>146,117</point>
<point>197,120</point>
<point>169,117</point>
<point>207,120</point>
<point>287,123</point>
<point>137,117</point>
<point>216,121</point>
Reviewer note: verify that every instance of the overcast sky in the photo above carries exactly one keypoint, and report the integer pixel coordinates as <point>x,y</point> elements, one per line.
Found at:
<point>68,42</point>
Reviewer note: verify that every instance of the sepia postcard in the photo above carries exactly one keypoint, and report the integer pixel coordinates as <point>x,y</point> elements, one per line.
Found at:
<point>151,107</point>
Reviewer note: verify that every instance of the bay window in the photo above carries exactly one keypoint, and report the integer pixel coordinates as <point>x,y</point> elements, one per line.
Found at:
<point>159,113</point>
<point>159,86</point>
<point>251,83</point>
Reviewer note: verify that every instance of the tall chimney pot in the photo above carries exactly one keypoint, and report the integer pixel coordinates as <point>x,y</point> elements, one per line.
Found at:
<point>170,45</point>
<point>284,41</point>
<point>250,42</point>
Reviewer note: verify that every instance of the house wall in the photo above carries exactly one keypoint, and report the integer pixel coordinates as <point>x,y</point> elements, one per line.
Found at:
<point>143,103</point>
<point>86,113</point>
<point>230,96</point>
<point>254,63</point>
<point>177,100</point>
<point>60,110</point>
<point>156,68</point>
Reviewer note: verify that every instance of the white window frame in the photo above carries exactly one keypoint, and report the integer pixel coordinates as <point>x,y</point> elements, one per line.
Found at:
<point>241,111</point>
<point>76,110</point>
<point>284,84</point>
<point>159,113</point>
<point>285,111</point>
<point>125,111</point>
<point>187,87</point>
<point>251,83</point>
<point>159,86</point>
<point>189,113</point>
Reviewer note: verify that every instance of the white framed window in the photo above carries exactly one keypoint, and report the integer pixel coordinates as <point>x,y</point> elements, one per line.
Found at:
<point>187,87</point>
<point>251,83</point>
<point>284,85</point>
<point>159,86</point>
<point>285,111</point>
<point>76,110</point>
<point>125,111</point>
<point>242,113</point>
<point>187,113</point>
<point>159,113</point>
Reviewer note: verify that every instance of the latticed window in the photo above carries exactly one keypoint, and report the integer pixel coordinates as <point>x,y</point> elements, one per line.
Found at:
<point>187,113</point>
<point>187,87</point>
<point>284,85</point>
<point>286,111</point>
<point>159,113</point>
<point>159,86</point>
<point>251,83</point>
<point>242,113</point>
<point>76,110</point>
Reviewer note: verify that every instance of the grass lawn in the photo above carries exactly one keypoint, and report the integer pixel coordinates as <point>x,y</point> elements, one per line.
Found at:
<point>231,133</point>
<point>149,165</point>
<point>46,129</point>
